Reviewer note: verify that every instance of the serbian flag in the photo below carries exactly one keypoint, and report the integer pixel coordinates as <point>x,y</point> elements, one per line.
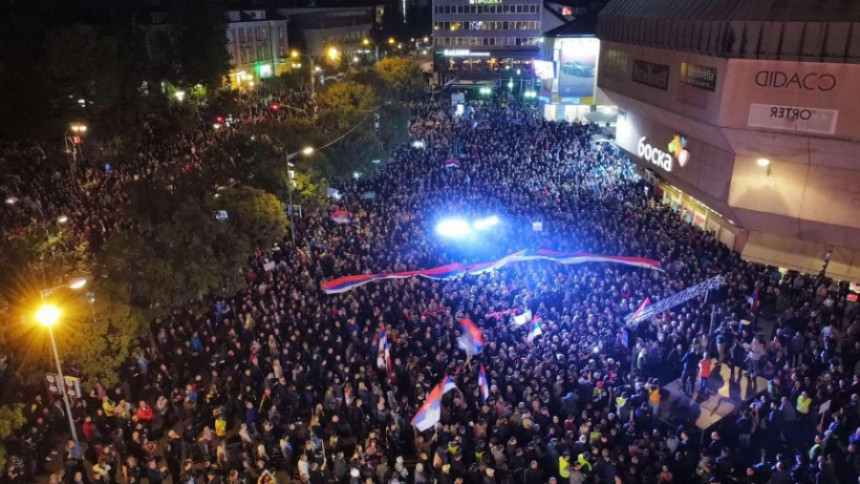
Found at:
<point>429,413</point>
<point>448,385</point>
<point>484,383</point>
<point>452,163</point>
<point>536,330</point>
<point>383,351</point>
<point>753,300</point>
<point>341,217</point>
<point>472,339</point>
<point>343,284</point>
<point>641,308</point>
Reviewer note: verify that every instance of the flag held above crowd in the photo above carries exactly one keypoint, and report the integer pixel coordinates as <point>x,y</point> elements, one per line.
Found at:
<point>450,271</point>
<point>484,383</point>
<point>472,339</point>
<point>641,308</point>
<point>431,412</point>
<point>341,216</point>
<point>536,330</point>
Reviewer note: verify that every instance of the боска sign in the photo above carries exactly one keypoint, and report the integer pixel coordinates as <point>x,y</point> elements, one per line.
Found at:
<point>677,150</point>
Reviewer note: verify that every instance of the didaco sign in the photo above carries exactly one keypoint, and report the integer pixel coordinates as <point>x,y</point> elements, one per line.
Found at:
<point>663,159</point>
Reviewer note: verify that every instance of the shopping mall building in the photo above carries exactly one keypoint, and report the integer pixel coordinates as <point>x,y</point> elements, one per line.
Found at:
<point>749,128</point>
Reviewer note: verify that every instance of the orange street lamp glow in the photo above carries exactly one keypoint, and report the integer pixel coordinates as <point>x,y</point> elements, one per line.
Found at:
<point>47,315</point>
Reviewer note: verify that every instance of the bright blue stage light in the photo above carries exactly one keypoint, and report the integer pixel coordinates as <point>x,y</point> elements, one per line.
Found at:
<point>485,223</point>
<point>454,228</point>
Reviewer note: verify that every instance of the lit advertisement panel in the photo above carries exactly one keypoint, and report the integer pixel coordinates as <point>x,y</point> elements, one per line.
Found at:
<point>544,69</point>
<point>577,69</point>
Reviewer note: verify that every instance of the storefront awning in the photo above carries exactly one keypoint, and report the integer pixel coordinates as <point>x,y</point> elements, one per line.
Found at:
<point>599,117</point>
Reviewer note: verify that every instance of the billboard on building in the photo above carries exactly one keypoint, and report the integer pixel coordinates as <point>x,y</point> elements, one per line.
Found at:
<point>544,70</point>
<point>577,72</point>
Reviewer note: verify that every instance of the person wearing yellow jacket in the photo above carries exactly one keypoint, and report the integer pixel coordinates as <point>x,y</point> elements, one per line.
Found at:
<point>220,427</point>
<point>804,402</point>
<point>108,406</point>
<point>564,466</point>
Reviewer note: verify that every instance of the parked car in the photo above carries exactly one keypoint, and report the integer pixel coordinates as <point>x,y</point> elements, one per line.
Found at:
<point>577,69</point>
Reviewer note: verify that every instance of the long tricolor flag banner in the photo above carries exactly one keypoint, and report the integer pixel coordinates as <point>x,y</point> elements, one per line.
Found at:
<point>451,271</point>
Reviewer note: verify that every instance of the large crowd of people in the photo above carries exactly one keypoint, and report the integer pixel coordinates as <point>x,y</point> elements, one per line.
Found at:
<point>283,381</point>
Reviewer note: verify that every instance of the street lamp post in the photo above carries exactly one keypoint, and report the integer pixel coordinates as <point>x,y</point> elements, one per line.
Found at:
<point>78,129</point>
<point>368,43</point>
<point>332,52</point>
<point>306,151</point>
<point>48,316</point>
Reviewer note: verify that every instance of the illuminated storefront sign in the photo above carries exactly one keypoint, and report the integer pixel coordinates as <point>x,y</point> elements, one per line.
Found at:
<point>793,118</point>
<point>702,77</point>
<point>463,53</point>
<point>662,159</point>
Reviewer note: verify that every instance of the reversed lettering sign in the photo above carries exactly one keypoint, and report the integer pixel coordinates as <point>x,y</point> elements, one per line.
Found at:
<point>702,77</point>
<point>811,81</point>
<point>793,118</point>
<point>651,74</point>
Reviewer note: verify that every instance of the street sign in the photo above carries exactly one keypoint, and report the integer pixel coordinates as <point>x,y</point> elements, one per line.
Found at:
<point>73,384</point>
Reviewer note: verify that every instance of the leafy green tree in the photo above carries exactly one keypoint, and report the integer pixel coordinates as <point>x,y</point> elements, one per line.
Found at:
<point>184,249</point>
<point>393,124</point>
<point>404,75</point>
<point>346,98</point>
<point>11,419</point>
<point>257,215</point>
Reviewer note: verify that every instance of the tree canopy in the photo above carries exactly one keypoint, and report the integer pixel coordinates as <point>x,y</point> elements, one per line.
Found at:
<point>404,75</point>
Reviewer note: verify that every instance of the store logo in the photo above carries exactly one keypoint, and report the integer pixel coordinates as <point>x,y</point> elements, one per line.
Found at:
<point>809,82</point>
<point>651,74</point>
<point>678,147</point>
<point>654,155</point>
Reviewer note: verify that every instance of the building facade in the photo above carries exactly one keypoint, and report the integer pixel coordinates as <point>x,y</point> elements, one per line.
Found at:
<point>258,45</point>
<point>746,127</point>
<point>472,38</point>
<point>341,27</point>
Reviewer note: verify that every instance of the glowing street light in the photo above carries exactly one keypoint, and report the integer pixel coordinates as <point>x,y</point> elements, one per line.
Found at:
<point>333,53</point>
<point>391,41</point>
<point>47,315</point>
<point>180,95</point>
<point>12,200</point>
<point>291,174</point>
<point>62,219</point>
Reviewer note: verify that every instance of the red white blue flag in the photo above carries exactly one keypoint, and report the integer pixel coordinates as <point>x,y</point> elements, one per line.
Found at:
<point>472,339</point>
<point>451,271</point>
<point>431,412</point>
<point>641,308</point>
<point>536,330</point>
<point>753,300</point>
<point>484,383</point>
<point>341,217</point>
<point>448,385</point>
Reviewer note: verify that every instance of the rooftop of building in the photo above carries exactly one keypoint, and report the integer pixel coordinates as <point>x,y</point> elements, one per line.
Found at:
<point>804,30</point>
